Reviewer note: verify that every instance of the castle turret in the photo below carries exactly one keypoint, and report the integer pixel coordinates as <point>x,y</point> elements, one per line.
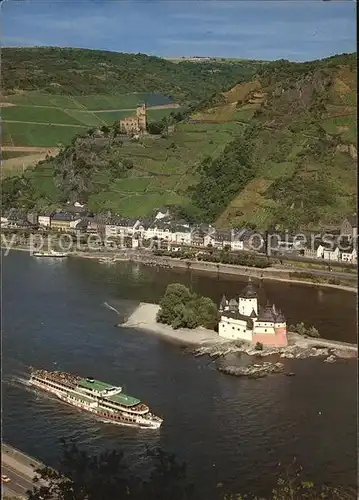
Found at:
<point>223,303</point>
<point>280,327</point>
<point>233,305</point>
<point>141,113</point>
<point>266,314</point>
<point>248,300</point>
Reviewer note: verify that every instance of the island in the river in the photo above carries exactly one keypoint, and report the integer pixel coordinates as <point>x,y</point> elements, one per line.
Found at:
<point>207,341</point>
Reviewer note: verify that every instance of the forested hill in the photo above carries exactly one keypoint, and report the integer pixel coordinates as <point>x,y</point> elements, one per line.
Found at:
<point>295,163</point>
<point>83,72</point>
<point>279,149</point>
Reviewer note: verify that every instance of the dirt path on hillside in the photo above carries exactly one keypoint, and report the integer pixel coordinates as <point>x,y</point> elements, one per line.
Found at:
<point>48,124</point>
<point>13,166</point>
<point>30,149</point>
<point>22,161</point>
<point>86,110</point>
<point>149,108</point>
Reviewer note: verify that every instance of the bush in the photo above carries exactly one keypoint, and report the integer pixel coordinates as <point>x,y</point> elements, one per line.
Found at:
<point>182,309</point>
<point>305,331</point>
<point>259,346</point>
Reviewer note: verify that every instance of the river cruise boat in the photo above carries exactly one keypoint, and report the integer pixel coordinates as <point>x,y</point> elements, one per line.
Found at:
<point>106,401</point>
<point>51,253</point>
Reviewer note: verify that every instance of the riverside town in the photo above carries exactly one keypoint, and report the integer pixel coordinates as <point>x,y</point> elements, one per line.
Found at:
<point>164,231</point>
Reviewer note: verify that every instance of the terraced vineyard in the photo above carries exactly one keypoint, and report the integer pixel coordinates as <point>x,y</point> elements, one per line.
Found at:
<point>164,168</point>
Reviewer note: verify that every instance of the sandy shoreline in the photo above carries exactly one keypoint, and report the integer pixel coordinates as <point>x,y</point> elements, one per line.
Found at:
<point>241,271</point>
<point>144,318</point>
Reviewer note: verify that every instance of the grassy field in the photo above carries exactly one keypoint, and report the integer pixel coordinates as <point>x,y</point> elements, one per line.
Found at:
<point>91,102</point>
<point>39,119</point>
<point>37,115</point>
<point>24,134</point>
<point>8,155</point>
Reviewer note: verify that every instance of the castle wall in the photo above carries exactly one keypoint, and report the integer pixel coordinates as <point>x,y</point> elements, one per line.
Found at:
<point>129,124</point>
<point>279,339</point>
<point>234,329</point>
<point>265,330</point>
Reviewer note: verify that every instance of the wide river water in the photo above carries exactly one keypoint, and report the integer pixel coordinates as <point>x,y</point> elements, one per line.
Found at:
<point>234,431</point>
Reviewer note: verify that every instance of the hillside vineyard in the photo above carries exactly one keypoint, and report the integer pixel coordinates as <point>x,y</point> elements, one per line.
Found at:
<point>278,148</point>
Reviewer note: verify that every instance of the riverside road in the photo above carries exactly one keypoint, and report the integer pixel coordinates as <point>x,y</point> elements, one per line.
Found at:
<point>20,469</point>
<point>278,272</point>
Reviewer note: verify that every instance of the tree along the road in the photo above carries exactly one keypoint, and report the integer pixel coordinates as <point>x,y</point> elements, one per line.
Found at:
<point>82,476</point>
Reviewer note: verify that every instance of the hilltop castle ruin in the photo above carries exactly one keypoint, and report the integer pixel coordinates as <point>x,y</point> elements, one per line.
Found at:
<point>135,124</point>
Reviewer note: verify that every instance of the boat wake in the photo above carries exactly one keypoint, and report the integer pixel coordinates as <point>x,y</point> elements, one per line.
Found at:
<point>106,304</point>
<point>16,381</point>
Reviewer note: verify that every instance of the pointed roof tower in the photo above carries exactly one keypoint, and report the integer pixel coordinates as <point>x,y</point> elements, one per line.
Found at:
<point>280,318</point>
<point>233,305</point>
<point>223,303</point>
<point>249,291</point>
<point>266,314</point>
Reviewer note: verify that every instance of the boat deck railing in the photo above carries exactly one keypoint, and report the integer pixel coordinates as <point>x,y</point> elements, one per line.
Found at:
<point>60,377</point>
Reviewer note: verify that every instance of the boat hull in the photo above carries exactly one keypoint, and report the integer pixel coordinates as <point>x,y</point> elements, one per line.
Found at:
<point>45,256</point>
<point>116,419</point>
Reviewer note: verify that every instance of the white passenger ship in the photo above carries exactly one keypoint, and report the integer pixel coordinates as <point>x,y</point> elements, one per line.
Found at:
<point>51,253</point>
<point>104,400</point>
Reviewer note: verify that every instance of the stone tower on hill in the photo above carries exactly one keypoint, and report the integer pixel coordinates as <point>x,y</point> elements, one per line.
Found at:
<point>141,113</point>
<point>135,124</point>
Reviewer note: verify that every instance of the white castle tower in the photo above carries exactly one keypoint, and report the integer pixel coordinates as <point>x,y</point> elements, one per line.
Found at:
<point>247,301</point>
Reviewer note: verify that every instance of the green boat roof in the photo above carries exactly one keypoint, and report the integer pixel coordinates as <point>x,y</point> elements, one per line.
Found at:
<point>95,385</point>
<point>123,399</point>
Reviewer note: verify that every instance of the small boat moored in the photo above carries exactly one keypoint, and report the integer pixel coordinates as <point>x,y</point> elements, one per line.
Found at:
<point>51,253</point>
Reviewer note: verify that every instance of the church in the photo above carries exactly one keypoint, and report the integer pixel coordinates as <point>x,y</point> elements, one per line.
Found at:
<point>242,319</point>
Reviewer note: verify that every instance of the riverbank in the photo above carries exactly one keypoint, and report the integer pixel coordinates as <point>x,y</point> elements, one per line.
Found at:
<point>207,342</point>
<point>144,318</point>
<point>266,274</point>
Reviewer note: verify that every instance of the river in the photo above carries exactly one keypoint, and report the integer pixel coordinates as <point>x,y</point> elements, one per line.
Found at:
<point>60,315</point>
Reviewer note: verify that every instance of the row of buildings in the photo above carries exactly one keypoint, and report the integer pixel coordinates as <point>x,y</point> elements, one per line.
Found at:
<point>346,248</point>
<point>75,218</point>
<point>332,253</point>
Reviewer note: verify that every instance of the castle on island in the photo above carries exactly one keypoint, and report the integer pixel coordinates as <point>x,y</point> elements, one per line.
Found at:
<point>135,124</point>
<point>241,320</point>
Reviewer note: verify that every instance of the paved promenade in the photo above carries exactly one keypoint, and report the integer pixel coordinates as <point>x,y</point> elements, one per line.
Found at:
<point>20,469</point>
